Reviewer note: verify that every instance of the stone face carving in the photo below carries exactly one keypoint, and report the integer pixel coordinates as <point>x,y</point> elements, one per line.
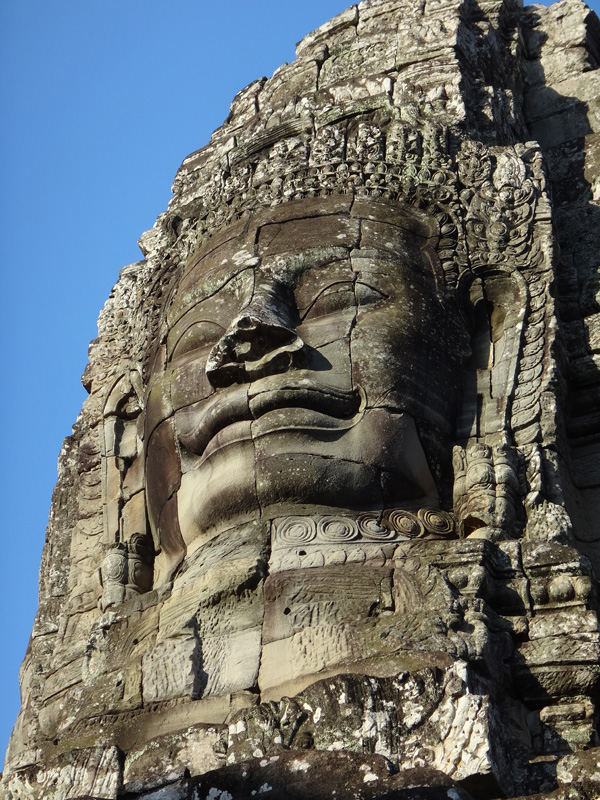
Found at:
<point>308,391</point>
<point>330,506</point>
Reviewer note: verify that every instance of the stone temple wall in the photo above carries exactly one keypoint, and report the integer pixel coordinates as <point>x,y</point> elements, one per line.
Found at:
<point>327,525</point>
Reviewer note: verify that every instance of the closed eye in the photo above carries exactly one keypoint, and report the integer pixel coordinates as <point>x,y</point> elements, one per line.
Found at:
<point>342,296</point>
<point>198,336</point>
<point>337,297</point>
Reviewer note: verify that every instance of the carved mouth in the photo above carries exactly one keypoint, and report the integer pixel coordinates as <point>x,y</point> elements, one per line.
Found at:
<point>227,417</point>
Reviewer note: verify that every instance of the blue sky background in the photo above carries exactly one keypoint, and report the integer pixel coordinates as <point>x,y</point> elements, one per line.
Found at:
<point>102,100</point>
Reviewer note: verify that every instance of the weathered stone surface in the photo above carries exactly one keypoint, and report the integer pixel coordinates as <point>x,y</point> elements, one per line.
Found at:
<point>327,523</point>
<point>172,757</point>
<point>79,775</point>
<point>306,775</point>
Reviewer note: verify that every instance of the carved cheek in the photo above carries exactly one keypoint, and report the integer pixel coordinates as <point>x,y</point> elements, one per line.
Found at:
<point>221,487</point>
<point>328,347</point>
<point>188,381</point>
<point>376,350</point>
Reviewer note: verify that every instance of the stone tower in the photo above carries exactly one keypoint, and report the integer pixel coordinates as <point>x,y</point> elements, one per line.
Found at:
<point>327,524</point>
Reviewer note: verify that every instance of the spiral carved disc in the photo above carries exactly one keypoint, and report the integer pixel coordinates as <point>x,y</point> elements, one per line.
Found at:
<point>370,528</point>
<point>437,521</point>
<point>337,529</point>
<point>299,530</point>
<point>406,523</point>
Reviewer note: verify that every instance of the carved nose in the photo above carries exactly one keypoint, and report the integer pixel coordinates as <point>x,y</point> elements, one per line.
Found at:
<point>257,343</point>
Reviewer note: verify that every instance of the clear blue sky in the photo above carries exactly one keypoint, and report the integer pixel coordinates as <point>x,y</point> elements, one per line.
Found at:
<point>102,100</point>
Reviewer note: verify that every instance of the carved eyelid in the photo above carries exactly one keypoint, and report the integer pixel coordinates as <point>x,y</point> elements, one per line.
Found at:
<point>360,291</point>
<point>208,333</point>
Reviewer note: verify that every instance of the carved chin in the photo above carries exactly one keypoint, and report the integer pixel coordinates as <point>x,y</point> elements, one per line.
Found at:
<point>251,470</point>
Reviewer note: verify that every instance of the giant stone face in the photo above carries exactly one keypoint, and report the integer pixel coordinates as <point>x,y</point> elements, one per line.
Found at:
<point>351,392</point>
<point>308,366</point>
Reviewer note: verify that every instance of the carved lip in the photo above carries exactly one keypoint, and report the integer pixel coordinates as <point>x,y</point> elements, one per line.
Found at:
<point>304,393</point>
<point>319,406</point>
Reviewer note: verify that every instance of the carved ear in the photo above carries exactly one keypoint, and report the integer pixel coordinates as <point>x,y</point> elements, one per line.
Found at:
<point>123,496</point>
<point>162,457</point>
<point>486,470</point>
<point>128,560</point>
<point>495,304</point>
